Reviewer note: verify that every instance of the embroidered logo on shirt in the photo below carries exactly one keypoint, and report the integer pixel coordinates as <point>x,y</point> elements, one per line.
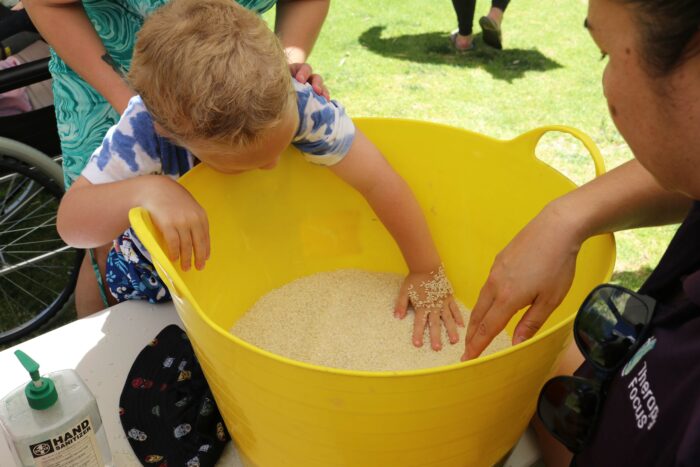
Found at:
<point>643,350</point>
<point>646,410</point>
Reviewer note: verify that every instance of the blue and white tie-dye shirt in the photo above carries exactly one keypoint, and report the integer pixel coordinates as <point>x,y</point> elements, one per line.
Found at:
<point>132,147</point>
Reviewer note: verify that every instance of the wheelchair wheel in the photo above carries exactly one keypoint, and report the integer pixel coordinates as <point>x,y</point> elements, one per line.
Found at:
<point>37,270</point>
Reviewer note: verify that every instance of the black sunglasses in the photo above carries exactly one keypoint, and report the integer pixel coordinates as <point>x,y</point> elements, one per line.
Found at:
<point>609,327</point>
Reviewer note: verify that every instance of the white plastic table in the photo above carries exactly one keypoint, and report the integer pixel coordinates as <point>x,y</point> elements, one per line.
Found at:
<point>102,348</point>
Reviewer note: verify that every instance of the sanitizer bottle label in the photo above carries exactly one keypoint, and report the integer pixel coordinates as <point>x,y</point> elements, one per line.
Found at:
<point>76,447</point>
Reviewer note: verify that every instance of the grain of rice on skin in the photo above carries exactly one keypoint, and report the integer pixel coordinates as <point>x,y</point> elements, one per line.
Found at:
<point>344,319</point>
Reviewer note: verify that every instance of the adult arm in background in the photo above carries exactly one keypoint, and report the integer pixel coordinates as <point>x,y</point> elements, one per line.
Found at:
<point>298,24</point>
<point>536,269</point>
<point>66,27</point>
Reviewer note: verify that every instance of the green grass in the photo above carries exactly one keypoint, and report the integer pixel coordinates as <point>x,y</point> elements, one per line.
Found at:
<point>393,59</point>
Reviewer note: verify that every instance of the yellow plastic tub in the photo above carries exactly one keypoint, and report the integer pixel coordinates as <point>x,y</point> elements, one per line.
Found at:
<point>270,227</point>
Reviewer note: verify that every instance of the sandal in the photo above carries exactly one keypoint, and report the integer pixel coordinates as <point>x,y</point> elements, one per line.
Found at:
<point>453,40</point>
<point>491,32</point>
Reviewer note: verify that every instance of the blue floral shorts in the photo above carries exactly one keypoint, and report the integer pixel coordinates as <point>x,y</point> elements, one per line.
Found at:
<point>131,276</point>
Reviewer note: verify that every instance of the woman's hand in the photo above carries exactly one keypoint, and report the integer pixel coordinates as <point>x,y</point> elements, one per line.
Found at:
<point>303,73</point>
<point>181,220</point>
<point>430,294</point>
<point>535,269</point>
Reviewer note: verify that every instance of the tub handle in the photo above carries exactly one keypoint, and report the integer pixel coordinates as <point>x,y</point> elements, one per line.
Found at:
<point>532,138</point>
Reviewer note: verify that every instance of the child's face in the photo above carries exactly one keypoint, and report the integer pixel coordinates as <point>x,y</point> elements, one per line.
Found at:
<point>263,155</point>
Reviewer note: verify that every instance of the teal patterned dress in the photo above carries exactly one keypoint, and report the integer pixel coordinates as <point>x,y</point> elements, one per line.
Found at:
<point>83,115</point>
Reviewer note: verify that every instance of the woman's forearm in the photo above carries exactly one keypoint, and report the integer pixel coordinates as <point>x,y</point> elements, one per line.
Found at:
<point>298,24</point>
<point>66,27</point>
<point>624,198</point>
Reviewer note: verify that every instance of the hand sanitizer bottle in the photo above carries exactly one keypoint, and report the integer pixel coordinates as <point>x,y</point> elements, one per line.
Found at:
<point>53,421</point>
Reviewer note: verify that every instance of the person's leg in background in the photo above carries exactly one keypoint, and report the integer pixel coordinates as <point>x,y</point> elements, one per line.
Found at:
<point>498,7</point>
<point>462,38</point>
<point>90,295</point>
<point>491,24</point>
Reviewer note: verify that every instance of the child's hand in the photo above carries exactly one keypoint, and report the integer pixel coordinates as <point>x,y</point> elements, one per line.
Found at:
<point>430,294</point>
<point>181,220</point>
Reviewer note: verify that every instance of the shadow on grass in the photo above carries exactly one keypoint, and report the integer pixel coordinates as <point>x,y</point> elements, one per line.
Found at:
<point>633,280</point>
<point>435,48</point>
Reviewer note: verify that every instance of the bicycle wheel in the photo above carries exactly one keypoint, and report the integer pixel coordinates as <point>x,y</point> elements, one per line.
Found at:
<point>37,270</point>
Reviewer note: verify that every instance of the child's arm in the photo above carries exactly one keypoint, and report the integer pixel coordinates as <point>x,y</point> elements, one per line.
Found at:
<point>390,197</point>
<point>91,215</point>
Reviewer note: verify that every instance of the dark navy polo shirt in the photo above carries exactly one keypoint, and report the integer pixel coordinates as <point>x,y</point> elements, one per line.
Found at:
<point>651,414</point>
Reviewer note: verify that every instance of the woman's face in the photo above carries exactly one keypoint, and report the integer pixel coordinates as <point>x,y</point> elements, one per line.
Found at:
<point>658,117</point>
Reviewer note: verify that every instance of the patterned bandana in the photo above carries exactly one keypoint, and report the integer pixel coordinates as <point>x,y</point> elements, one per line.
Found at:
<point>166,408</point>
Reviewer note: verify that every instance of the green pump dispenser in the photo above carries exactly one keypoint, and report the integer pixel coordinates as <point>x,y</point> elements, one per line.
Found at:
<point>43,429</point>
<point>41,392</point>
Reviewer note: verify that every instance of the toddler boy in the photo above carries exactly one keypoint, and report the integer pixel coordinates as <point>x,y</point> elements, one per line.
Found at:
<point>214,87</point>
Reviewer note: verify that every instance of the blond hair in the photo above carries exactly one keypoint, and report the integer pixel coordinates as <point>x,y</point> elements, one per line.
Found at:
<point>210,70</point>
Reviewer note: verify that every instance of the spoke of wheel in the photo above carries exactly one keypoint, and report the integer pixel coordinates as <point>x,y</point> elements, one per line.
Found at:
<point>22,188</point>
<point>14,242</point>
<point>46,271</point>
<point>24,290</point>
<point>33,242</point>
<point>7,194</point>
<point>47,268</point>
<point>8,176</point>
<point>29,252</point>
<point>25,262</point>
<point>9,300</point>
<point>28,215</point>
<point>51,217</point>
<point>38,216</point>
<point>45,254</point>
<point>51,211</point>
<point>24,229</point>
<point>37,221</point>
<point>17,197</point>
<point>13,177</point>
<point>43,286</point>
<point>24,203</point>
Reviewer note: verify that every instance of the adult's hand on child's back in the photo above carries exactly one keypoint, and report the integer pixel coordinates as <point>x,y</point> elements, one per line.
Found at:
<point>535,269</point>
<point>303,73</point>
<point>430,294</point>
<point>182,221</point>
